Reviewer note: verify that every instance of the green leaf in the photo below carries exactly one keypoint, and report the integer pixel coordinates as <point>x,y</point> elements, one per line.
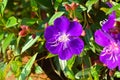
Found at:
<point>33,4</point>
<point>29,43</point>
<point>83,73</point>
<point>16,67</point>
<point>1,36</point>
<point>27,68</point>
<point>94,73</point>
<point>27,21</point>
<point>50,55</point>
<point>11,22</point>
<point>56,15</point>
<point>38,69</point>
<point>67,72</point>
<point>117,74</point>
<point>57,3</point>
<point>2,76</point>
<point>114,8</point>
<point>6,42</point>
<point>71,62</point>
<point>2,6</point>
<point>89,4</point>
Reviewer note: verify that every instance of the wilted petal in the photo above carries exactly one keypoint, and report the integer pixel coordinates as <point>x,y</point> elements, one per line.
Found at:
<point>62,23</point>
<point>101,38</point>
<point>75,29</point>
<point>110,23</point>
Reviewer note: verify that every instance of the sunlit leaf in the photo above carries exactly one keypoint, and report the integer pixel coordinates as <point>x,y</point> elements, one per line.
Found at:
<point>29,43</point>
<point>71,62</point>
<point>27,68</point>
<point>82,73</point>
<point>114,8</point>
<point>27,21</point>
<point>57,3</point>
<point>67,72</point>
<point>38,69</point>
<point>3,4</point>
<point>7,41</point>
<point>11,22</point>
<point>89,4</point>
<point>56,15</point>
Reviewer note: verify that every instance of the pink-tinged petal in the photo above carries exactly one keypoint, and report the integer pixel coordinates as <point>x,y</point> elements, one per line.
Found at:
<point>101,38</point>
<point>75,29</point>
<point>53,46</point>
<point>50,32</point>
<point>108,59</point>
<point>62,23</point>
<point>76,45</point>
<point>110,23</point>
<point>111,64</point>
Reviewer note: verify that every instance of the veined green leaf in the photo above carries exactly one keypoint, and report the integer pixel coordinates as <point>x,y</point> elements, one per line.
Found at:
<point>27,68</point>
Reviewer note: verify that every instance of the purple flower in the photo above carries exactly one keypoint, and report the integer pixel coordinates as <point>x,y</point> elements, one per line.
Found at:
<point>63,38</point>
<point>108,38</point>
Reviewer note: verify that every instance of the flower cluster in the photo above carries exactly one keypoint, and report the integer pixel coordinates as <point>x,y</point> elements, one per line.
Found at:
<point>63,38</point>
<point>109,38</point>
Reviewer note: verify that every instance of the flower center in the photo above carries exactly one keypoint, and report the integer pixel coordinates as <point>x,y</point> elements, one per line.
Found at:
<point>63,38</point>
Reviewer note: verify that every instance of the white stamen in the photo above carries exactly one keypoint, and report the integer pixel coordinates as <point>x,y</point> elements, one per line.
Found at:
<point>63,38</point>
<point>103,22</point>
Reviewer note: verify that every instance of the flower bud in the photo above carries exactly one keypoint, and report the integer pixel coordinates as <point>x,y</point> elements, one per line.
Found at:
<point>23,33</point>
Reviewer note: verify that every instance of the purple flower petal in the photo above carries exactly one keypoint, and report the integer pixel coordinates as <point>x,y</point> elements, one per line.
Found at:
<point>109,4</point>
<point>105,58</point>
<point>50,32</point>
<point>101,38</point>
<point>65,54</point>
<point>62,23</point>
<point>110,23</point>
<point>75,29</point>
<point>76,45</point>
<point>53,47</point>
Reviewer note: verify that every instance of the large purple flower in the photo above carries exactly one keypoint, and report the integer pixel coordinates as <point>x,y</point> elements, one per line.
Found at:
<point>63,38</point>
<point>109,38</point>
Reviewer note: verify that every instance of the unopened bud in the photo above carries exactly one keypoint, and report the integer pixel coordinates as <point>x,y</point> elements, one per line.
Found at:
<point>74,5</point>
<point>23,33</point>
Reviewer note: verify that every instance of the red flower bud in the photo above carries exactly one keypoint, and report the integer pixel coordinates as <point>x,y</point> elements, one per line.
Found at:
<point>23,33</point>
<point>74,5</point>
<point>68,7</point>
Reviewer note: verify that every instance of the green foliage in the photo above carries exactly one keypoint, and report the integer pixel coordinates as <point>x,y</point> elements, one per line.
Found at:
<point>56,15</point>
<point>3,4</point>
<point>17,53</point>
<point>7,41</point>
<point>29,43</point>
<point>11,22</point>
<point>27,68</point>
